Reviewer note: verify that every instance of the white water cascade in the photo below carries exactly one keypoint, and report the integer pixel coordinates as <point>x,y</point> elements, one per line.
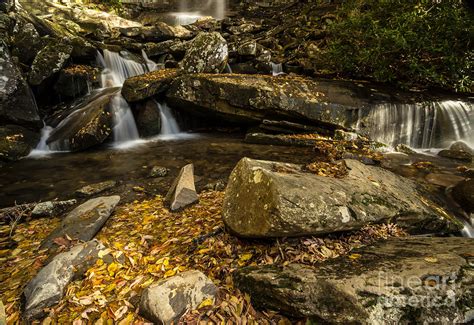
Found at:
<point>190,11</point>
<point>277,69</point>
<point>421,125</point>
<point>169,125</point>
<point>468,230</point>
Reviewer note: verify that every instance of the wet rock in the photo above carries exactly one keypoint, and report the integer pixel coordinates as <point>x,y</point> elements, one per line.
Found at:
<point>75,81</point>
<point>47,288</point>
<point>443,180</point>
<point>176,48</point>
<point>85,221</point>
<point>90,125</point>
<point>289,127</point>
<point>48,61</point>
<point>392,160</point>
<point>97,188</point>
<point>248,49</point>
<point>216,186</point>
<point>400,280</point>
<point>269,199</point>
<point>463,194</point>
<point>253,98</point>
<point>183,191</point>
<point>167,300</point>
<point>148,119</point>
<point>345,136</point>
<point>207,53</point>
<point>17,103</point>
<point>51,208</point>
<point>278,140</point>
<point>456,154</point>
<point>159,171</point>
<point>26,42</point>
<point>461,146</point>
<point>16,142</point>
<point>148,85</point>
<point>163,32</point>
<point>403,148</point>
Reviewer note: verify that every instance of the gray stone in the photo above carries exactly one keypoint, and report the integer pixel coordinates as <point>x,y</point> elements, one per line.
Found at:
<point>148,118</point>
<point>461,146</point>
<point>27,42</point>
<point>248,48</point>
<point>443,180</point>
<point>167,300</point>
<point>17,103</point>
<point>207,53</point>
<point>16,142</point>
<point>183,191</point>
<point>398,281</point>
<point>158,171</point>
<point>85,221</point>
<point>93,189</point>
<point>47,288</point>
<point>48,61</point>
<point>271,199</point>
<point>162,32</point>
<point>148,85</point>
<point>51,208</point>
<point>456,154</point>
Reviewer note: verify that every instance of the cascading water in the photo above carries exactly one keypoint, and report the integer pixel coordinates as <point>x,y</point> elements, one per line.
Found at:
<point>277,69</point>
<point>169,126</point>
<point>422,125</point>
<point>190,11</point>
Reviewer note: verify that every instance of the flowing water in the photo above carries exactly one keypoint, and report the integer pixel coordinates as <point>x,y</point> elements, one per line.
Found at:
<point>277,69</point>
<point>169,125</point>
<point>191,11</point>
<point>421,125</point>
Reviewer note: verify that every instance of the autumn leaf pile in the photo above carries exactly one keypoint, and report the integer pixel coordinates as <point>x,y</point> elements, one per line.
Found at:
<point>145,243</point>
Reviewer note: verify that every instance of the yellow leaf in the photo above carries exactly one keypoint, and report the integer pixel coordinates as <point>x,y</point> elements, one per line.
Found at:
<point>431,259</point>
<point>203,251</point>
<point>206,302</point>
<point>355,256</point>
<point>112,268</point>
<point>169,273</point>
<point>245,257</point>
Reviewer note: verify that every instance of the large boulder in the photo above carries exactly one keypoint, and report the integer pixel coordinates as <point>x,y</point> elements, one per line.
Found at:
<point>398,281</point>
<point>163,32</point>
<point>183,191</point>
<point>148,85</point>
<point>26,42</point>
<point>88,124</point>
<point>85,221</point>
<point>253,98</point>
<point>271,199</point>
<point>75,81</point>
<point>167,300</point>
<point>16,142</point>
<point>17,103</point>
<point>207,53</point>
<point>48,61</point>
<point>47,288</point>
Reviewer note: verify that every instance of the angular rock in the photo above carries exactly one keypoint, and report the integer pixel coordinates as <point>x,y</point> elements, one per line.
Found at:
<point>17,103</point>
<point>148,84</point>
<point>401,280</point>
<point>463,194</point>
<point>47,288</point>
<point>207,53</point>
<point>93,189</point>
<point>88,126</point>
<point>26,42</point>
<point>51,208</point>
<point>254,98</point>
<point>183,191</point>
<point>270,199</point>
<point>167,300</point>
<point>75,81</point>
<point>158,171</point>
<point>48,61</point>
<point>16,142</point>
<point>85,221</point>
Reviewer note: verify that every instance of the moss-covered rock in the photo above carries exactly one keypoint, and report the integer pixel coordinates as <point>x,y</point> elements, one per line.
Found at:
<point>208,53</point>
<point>48,61</point>
<point>267,199</point>
<point>26,42</point>
<point>75,80</point>
<point>148,84</point>
<point>398,281</point>
<point>16,142</point>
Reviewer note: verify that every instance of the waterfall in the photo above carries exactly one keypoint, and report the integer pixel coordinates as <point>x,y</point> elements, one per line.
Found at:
<point>169,125</point>
<point>420,125</point>
<point>42,147</point>
<point>277,69</point>
<point>468,230</point>
<point>190,13</point>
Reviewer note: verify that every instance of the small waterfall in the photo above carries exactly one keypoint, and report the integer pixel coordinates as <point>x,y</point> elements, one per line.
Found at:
<point>42,147</point>
<point>468,230</point>
<point>277,69</point>
<point>169,125</point>
<point>190,11</point>
<point>421,125</point>
<point>228,69</point>
<point>152,66</point>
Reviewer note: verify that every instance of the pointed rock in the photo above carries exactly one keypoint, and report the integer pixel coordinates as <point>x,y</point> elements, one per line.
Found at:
<point>167,300</point>
<point>47,288</point>
<point>182,192</point>
<point>85,221</point>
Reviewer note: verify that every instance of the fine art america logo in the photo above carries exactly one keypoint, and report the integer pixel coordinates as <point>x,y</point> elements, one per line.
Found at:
<point>432,291</point>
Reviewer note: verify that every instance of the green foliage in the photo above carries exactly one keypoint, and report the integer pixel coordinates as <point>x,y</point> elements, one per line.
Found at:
<point>425,43</point>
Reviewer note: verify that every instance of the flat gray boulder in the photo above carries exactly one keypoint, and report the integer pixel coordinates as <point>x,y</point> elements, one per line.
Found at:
<point>167,300</point>
<point>183,191</point>
<point>93,189</point>
<point>46,289</point>
<point>207,53</point>
<point>399,281</point>
<point>272,199</point>
<point>85,221</point>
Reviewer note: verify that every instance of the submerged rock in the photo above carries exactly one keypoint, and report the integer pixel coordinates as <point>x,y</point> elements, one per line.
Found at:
<point>51,208</point>
<point>16,142</point>
<point>183,191</point>
<point>47,288</point>
<point>48,61</point>
<point>167,300</point>
<point>207,53</point>
<point>17,103</point>
<point>88,125</point>
<point>93,189</point>
<point>401,280</point>
<point>148,84</point>
<point>271,199</point>
<point>85,221</point>
<point>254,98</point>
